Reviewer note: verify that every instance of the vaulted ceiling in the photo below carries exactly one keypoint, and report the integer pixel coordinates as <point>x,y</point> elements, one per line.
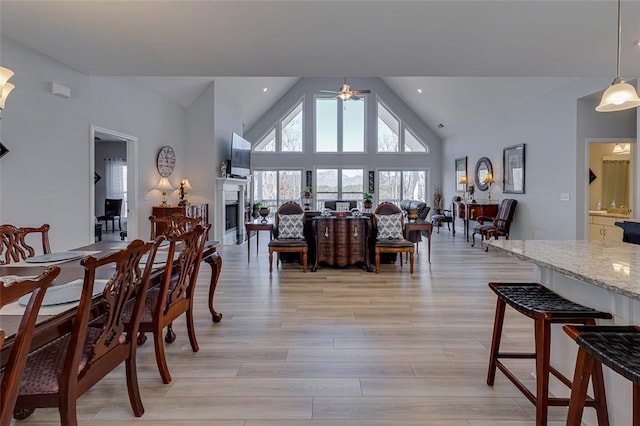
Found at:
<point>470,58</point>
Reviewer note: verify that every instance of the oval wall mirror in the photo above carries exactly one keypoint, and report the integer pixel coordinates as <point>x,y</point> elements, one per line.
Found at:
<point>484,169</point>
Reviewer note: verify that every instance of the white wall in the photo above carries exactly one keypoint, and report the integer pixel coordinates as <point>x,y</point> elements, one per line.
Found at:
<point>549,126</point>
<point>45,178</point>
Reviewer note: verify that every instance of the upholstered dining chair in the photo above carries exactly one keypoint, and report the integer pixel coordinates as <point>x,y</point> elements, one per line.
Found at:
<point>174,296</point>
<point>16,243</point>
<point>288,234</point>
<point>388,226</point>
<point>11,374</point>
<point>59,372</point>
<point>112,210</point>
<point>176,223</point>
<point>498,226</point>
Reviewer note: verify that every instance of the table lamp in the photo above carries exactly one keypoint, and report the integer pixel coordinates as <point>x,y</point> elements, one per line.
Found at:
<point>489,180</point>
<point>164,186</point>
<point>185,186</point>
<point>463,181</point>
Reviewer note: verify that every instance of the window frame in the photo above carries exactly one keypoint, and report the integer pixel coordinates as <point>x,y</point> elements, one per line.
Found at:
<point>340,192</point>
<point>402,170</point>
<point>277,171</point>
<point>340,125</point>
<point>402,128</point>
<point>277,127</point>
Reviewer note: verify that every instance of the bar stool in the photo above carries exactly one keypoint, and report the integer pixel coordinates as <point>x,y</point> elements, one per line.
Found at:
<point>545,308</point>
<point>617,347</point>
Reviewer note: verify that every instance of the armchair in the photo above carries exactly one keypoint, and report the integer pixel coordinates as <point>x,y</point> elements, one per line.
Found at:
<point>112,210</point>
<point>441,216</point>
<point>495,226</point>
<point>288,233</point>
<point>389,231</point>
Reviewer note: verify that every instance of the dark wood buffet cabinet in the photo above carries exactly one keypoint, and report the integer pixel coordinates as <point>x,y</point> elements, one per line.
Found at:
<point>194,210</point>
<point>468,211</point>
<point>342,241</point>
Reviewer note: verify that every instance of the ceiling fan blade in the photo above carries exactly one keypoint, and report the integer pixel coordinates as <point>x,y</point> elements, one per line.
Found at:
<point>329,91</point>
<point>361,92</point>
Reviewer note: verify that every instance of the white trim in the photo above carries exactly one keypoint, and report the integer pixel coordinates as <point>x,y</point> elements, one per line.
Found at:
<point>132,181</point>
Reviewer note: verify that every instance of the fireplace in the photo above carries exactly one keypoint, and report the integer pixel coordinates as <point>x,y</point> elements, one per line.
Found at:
<point>229,212</point>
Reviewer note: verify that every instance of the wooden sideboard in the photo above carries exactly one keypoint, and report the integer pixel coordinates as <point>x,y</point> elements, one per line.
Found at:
<point>341,241</point>
<point>468,211</point>
<point>194,210</point>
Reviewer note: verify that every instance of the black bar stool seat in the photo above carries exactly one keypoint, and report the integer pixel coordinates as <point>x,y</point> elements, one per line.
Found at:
<point>545,307</point>
<point>617,347</point>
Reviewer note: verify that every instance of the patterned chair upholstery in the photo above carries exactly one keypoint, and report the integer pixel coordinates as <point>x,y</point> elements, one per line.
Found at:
<point>59,372</point>
<point>496,226</point>
<point>16,245</point>
<point>388,227</point>
<point>11,373</point>
<point>288,233</point>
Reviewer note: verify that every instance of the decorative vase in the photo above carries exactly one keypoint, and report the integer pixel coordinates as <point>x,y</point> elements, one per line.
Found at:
<point>264,212</point>
<point>368,204</point>
<point>412,215</point>
<point>255,213</point>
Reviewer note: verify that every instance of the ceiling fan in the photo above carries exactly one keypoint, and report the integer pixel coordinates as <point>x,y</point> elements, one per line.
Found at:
<point>346,92</point>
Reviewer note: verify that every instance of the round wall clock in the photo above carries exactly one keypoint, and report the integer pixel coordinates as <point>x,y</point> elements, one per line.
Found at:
<point>166,161</point>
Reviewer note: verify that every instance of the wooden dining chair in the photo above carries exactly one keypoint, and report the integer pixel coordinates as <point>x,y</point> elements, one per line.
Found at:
<point>288,234</point>
<point>11,374</point>
<point>176,223</point>
<point>175,295</point>
<point>59,372</point>
<point>388,227</point>
<point>16,243</point>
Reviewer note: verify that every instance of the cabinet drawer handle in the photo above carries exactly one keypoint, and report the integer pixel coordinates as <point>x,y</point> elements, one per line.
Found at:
<point>326,232</point>
<point>355,231</point>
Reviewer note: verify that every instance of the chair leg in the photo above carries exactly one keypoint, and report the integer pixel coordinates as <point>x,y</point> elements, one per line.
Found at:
<point>543,357</point>
<point>473,239</point>
<point>411,261</point>
<point>377,261</point>
<point>119,224</point>
<point>270,261</point>
<point>191,329</point>
<point>67,409</point>
<point>636,405</point>
<point>132,385</point>
<point>584,366</point>
<point>599,394</point>
<point>495,340</point>
<point>161,360</point>
<point>304,261</point>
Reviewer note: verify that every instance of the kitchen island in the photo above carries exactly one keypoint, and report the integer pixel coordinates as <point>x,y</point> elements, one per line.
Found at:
<point>602,274</point>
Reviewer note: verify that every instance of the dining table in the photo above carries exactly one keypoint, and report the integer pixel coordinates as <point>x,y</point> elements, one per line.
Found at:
<point>55,318</point>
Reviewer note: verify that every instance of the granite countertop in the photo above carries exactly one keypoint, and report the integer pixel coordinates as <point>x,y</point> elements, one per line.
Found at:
<point>612,265</point>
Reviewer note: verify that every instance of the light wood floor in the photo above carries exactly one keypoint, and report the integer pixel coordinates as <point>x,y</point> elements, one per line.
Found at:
<point>334,347</point>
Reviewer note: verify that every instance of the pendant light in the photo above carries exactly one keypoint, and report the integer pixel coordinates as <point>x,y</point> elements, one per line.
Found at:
<point>620,95</point>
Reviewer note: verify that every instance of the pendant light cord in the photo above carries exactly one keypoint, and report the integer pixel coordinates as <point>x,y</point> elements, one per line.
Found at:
<point>619,46</point>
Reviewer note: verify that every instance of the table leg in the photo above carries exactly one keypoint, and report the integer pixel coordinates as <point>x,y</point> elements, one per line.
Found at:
<point>257,241</point>
<point>429,243</point>
<point>248,246</point>
<point>215,261</point>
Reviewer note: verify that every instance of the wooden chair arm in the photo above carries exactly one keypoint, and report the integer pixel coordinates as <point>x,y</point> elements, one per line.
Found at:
<point>482,219</point>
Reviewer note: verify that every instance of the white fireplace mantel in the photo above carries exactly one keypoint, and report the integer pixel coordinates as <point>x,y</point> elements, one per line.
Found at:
<point>225,186</point>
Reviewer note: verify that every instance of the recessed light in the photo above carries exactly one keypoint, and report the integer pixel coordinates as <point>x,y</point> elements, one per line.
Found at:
<point>440,126</point>
<point>419,90</point>
<point>265,89</point>
<point>637,42</point>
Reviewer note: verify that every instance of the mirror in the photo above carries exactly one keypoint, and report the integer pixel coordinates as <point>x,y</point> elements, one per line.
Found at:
<point>461,172</point>
<point>483,174</point>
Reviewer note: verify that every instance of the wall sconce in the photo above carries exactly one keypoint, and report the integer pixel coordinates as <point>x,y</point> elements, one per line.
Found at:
<point>185,186</point>
<point>5,86</point>
<point>164,186</point>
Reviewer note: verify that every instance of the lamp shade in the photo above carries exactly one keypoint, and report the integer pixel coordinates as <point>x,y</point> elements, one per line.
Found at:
<point>186,184</point>
<point>5,75</point>
<point>488,178</point>
<point>164,185</point>
<point>618,97</point>
<point>6,89</point>
<point>463,180</point>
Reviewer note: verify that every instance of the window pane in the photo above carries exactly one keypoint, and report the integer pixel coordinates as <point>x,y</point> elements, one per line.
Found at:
<point>327,180</point>
<point>290,185</point>
<point>413,185</point>
<point>352,182</point>
<point>389,186</point>
<point>292,130</point>
<point>388,130</point>
<point>412,143</point>
<point>326,125</point>
<point>265,184</point>
<point>353,126</point>
<point>268,143</point>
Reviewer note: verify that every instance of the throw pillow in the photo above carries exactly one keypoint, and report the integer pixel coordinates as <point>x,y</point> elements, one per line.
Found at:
<point>389,226</point>
<point>342,206</point>
<point>291,226</point>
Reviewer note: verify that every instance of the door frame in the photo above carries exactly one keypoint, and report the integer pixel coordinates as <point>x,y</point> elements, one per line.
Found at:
<point>132,181</point>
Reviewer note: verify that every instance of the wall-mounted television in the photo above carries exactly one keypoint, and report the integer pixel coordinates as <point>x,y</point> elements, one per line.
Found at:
<point>240,163</point>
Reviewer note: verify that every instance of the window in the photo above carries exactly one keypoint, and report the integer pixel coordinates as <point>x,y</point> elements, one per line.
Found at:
<point>291,130</point>
<point>388,130</point>
<point>339,184</point>
<point>390,127</point>
<point>274,187</point>
<point>268,143</point>
<point>340,125</point>
<point>396,185</point>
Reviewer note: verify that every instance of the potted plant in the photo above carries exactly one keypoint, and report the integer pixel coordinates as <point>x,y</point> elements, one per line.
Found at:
<point>255,209</point>
<point>307,197</point>
<point>368,200</point>
<point>437,198</point>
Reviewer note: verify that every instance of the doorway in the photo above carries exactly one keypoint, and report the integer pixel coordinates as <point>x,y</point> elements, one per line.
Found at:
<point>113,168</point>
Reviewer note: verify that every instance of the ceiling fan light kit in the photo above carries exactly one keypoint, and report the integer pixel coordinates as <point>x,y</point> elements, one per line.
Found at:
<point>620,95</point>
<point>346,93</point>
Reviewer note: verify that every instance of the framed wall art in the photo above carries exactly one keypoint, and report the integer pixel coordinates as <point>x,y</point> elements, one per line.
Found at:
<point>513,165</point>
<point>461,171</point>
